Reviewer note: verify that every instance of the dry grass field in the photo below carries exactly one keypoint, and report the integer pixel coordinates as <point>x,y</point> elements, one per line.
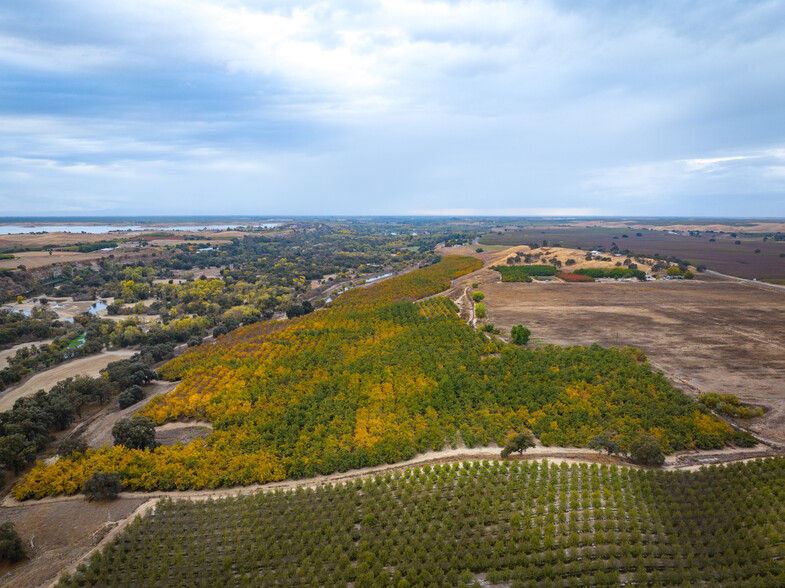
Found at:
<point>707,335</point>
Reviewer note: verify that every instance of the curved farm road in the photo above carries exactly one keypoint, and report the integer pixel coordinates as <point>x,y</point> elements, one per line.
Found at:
<point>91,526</point>
<point>84,366</point>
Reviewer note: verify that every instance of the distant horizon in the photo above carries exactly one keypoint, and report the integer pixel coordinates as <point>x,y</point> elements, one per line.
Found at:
<point>255,217</point>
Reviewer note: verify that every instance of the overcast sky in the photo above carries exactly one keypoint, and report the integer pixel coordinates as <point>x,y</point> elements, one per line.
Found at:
<point>392,107</point>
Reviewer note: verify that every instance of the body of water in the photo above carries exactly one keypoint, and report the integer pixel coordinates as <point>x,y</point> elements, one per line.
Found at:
<point>100,305</point>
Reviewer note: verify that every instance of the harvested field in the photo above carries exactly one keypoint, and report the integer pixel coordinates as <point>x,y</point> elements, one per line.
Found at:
<point>57,533</point>
<point>85,366</point>
<point>36,259</point>
<point>54,239</point>
<point>707,335</point>
<point>722,255</point>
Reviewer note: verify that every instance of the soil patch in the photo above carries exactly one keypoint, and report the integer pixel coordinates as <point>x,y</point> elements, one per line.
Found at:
<point>59,534</point>
<point>184,433</point>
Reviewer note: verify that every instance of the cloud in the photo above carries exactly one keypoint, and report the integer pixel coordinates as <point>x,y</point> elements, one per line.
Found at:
<point>393,105</point>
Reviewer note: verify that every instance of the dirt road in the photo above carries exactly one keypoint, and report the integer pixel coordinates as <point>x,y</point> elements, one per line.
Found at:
<point>84,366</point>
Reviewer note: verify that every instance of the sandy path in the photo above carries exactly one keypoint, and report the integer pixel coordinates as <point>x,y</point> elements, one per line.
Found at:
<point>99,432</point>
<point>6,353</point>
<point>84,366</point>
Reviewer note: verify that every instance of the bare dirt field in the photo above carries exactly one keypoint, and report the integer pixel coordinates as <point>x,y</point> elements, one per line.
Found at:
<point>747,256</point>
<point>55,239</point>
<point>36,259</point>
<point>54,534</point>
<point>707,335</point>
<point>84,366</point>
<point>171,433</point>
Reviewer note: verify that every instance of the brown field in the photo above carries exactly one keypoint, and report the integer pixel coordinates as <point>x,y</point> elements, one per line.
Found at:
<point>751,226</point>
<point>84,366</point>
<point>60,532</point>
<point>45,239</point>
<point>36,259</point>
<point>722,254</point>
<point>707,335</point>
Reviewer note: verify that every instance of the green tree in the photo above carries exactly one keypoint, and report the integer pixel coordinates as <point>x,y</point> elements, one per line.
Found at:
<point>102,486</point>
<point>131,396</point>
<point>520,335</point>
<point>11,548</point>
<point>70,446</point>
<point>674,271</point>
<point>688,275</point>
<point>135,433</point>
<point>646,450</point>
<point>479,310</point>
<point>520,443</point>
<point>605,442</point>
<point>16,452</point>
<point>478,296</point>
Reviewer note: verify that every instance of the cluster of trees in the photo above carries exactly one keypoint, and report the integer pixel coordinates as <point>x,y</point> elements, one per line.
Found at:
<point>524,273</point>
<point>729,405</point>
<point>427,281</point>
<point>515,522</point>
<point>17,328</point>
<point>616,273</point>
<point>27,428</point>
<point>94,334</point>
<point>369,381</point>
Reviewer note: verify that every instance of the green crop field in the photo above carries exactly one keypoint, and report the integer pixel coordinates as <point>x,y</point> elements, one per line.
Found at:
<point>506,523</point>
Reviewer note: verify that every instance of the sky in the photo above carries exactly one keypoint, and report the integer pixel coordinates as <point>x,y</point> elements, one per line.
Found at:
<point>474,107</point>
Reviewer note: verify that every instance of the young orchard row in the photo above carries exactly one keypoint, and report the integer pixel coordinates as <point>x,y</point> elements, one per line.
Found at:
<point>512,523</point>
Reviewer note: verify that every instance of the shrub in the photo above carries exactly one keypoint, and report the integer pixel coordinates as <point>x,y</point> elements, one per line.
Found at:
<point>11,548</point>
<point>102,486</point>
<point>520,335</point>
<point>136,433</point>
<point>131,396</point>
<point>480,311</point>
<point>646,450</point>
<point>70,446</point>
